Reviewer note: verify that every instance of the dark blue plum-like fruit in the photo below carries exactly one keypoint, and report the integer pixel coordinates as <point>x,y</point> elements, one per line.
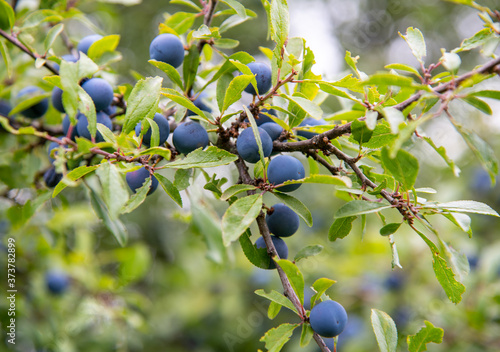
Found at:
<point>167,48</point>
<point>310,122</point>
<point>57,99</point>
<point>283,221</point>
<point>82,127</point>
<point>37,110</point>
<point>263,76</point>
<point>100,91</point>
<point>394,282</point>
<point>51,177</point>
<point>248,148</point>
<point>135,180</point>
<point>263,118</point>
<point>273,129</point>
<point>5,108</point>
<point>280,246</point>
<point>163,127</point>
<point>52,146</point>
<point>285,168</point>
<point>110,110</point>
<point>57,281</point>
<point>87,41</point>
<point>189,136</point>
<point>66,123</point>
<point>200,104</point>
<point>328,318</point>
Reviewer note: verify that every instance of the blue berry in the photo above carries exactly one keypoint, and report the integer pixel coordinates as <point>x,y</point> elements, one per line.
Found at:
<point>285,168</point>
<point>283,221</point>
<point>280,246</point>
<point>247,147</point>
<point>189,136</point>
<point>328,318</point>
<point>167,48</point>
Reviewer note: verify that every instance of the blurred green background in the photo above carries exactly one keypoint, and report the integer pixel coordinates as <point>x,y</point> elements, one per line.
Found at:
<point>169,289</point>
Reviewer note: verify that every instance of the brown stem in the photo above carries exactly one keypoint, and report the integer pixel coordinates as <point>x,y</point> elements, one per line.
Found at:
<point>21,46</point>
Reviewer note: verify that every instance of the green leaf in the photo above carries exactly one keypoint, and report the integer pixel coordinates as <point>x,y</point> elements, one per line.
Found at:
<point>257,256</point>
<point>297,206</point>
<point>190,66</point>
<point>403,67</point>
<point>137,198</point>
<point>187,3</point>
<point>416,42</point>
<point>161,151</point>
<point>360,132</point>
<point>280,20</point>
<point>320,286</point>
<point>142,102</point>
<point>7,16</point>
<point>6,58</point>
<point>388,79</point>
<point>343,181</point>
<point>207,222</point>
<point>330,89</point>
<point>239,216</point>
<point>309,107</point>
<point>307,252</point>
<point>306,335</point>
<point>103,45</point>
<point>462,206</point>
<point>226,43</point>
<point>234,90</point>
<point>429,333</point>
<point>478,104</point>
<point>182,100</point>
<point>276,338</point>
<point>180,22</point>
<point>169,188</point>
<point>273,310</point>
<point>359,207</point>
<point>444,273</point>
<point>210,157</point>
<point>169,70</point>
<point>72,176</point>
<point>155,131</point>
<point>222,86</point>
<point>463,221</point>
<point>116,227</point>
<point>394,117</point>
<point>442,152</point>
<point>404,167</point>
<point>483,152</point>
<point>478,39</point>
<point>493,94</point>
<point>235,189</point>
<point>385,331</point>
<point>278,298</point>
<point>256,134</point>
<point>389,229</point>
<point>237,7</point>
<point>341,227</point>
<point>106,133</point>
<point>381,136</point>
<point>114,190</point>
<point>52,36</point>
<point>294,276</point>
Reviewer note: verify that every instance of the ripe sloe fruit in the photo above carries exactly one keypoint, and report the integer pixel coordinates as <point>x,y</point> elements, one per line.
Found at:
<point>189,136</point>
<point>87,41</point>
<point>37,110</point>
<point>135,180</point>
<point>273,129</point>
<point>51,177</point>
<point>100,91</point>
<point>285,168</point>
<point>57,99</point>
<point>82,127</point>
<point>167,48</point>
<point>283,222</point>
<point>328,318</point>
<point>163,127</point>
<point>5,108</point>
<point>248,148</point>
<point>280,246</point>
<point>310,122</point>
<point>57,282</point>
<point>263,76</point>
